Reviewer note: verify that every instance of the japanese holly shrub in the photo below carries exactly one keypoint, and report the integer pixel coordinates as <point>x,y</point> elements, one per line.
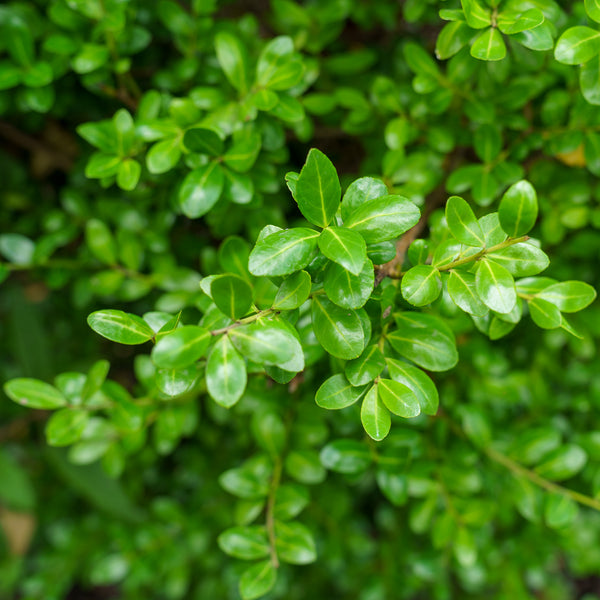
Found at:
<point>298,299</point>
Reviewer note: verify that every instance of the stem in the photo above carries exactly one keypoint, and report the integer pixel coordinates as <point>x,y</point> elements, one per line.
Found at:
<point>270,517</point>
<point>519,469</point>
<point>483,252</point>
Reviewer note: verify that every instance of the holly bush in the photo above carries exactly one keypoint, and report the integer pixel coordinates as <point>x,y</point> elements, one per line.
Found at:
<point>293,299</point>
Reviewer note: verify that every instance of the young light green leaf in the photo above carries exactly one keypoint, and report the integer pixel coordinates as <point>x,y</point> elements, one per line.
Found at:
<point>421,285</point>
<point>337,329</point>
<point>245,543</point>
<point>233,59</point>
<point>201,190</point>
<point>225,373</point>
<point>366,367</point>
<point>203,141</point>
<point>569,296</point>
<point>425,340</point>
<point>476,15</point>
<point>258,580</point>
<point>232,294</point>
<point>462,222</point>
<point>164,155</point>
<point>399,398</point>
<point>383,218</point>
<point>592,8</point>
<point>121,327</point>
<point>589,81</point>
<point>345,247</point>
<point>283,252</point>
<point>65,427</point>
<point>360,191</point>
<point>495,286</point>
<point>374,415</point>
<point>416,380</point>
<point>577,45</point>
<point>489,45</point>
<point>521,260</point>
<point>181,347</point>
<point>129,174</point>
<point>293,292</point>
<point>544,314</point>
<point>34,393</point>
<point>336,393</point>
<point>294,543</point>
<point>461,287</point>
<point>318,190</point>
<point>347,290</point>
<point>518,209</point>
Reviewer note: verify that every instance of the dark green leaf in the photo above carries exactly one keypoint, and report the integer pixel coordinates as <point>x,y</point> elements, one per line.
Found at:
<point>336,393</point>
<point>360,191</point>
<point>225,373</point>
<point>461,287</point>
<point>366,367</point>
<point>246,543</point>
<point>495,286</point>
<point>346,456</point>
<point>420,383</point>
<point>204,141</point>
<point>462,222</point>
<point>201,190</point>
<point>258,580</point>
<point>518,209</point>
<point>345,247</point>
<point>181,347</point>
<point>293,292</point>
<point>347,290</point>
<point>232,294</point>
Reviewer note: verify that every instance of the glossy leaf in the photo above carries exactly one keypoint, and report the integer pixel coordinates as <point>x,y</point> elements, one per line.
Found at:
<point>293,292</point>
<point>204,141</point>
<point>346,456</point>
<point>361,191</point>
<point>477,15</point>
<point>283,252</point>
<point>181,347</point>
<point>518,209</point>
<point>245,543</point>
<point>383,218</point>
<point>318,190</point>
<point>366,367</point>
<point>489,45</point>
<point>233,59</point>
<point>225,373</point>
<point>462,290</point>
<point>399,398</point>
<point>462,222</point>
<point>569,296</point>
<point>495,286</point>
<point>544,314</point>
<point>521,260</point>
<point>345,247</point>
<point>258,580</point>
<point>374,415</point>
<point>417,381</point>
<point>265,342</point>
<point>347,290</point>
<point>201,190</point>
<point>232,294</point>
<point>34,393</point>
<point>421,285</point>
<point>65,427</point>
<point>336,393</point>
<point>577,45</point>
<point>592,8</point>
<point>119,326</point>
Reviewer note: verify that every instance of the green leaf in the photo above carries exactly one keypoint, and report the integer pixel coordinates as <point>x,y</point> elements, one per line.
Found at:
<point>360,191</point>
<point>515,21</point>
<point>337,329</point>
<point>425,340</point>
<point>175,382</point>
<point>17,248</point>
<point>265,342</point>
<point>243,482</point>
<point>283,252</point>
<point>589,80</point>
<point>476,15</point>
<point>452,38</point>
<point>495,286</point>
<point>544,314</point>
<point>258,580</point>
<point>201,190</point>
<point>384,218</point>
<point>346,456</point>
<point>278,68</point>
<point>518,209</point>
<point>65,427</point>
<point>269,431</point>
<point>419,61</point>
<point>232,294</point>
<point>34,393</point>
<point>294,543</point>
<point>336,393</point>
<point>347,290</point>
<point>577,45</point>
<point>569,296</point>
<point>345,247</point>
<point>244,151</point>
<point>181,347</point>
<point>374,416</point>
<point>318,190</point>
<point>489,45</point>
<point>562,463</point>
<point>305,466</point>
<point>203,141</point>
<point>462,222</point>
<point>129,174</point>
<point>293,292</point>
<point>102,165</point>
<point>290,500</point>
<point>100,241</point>
<point>560,511</point>
<point>90,58</point>
<point>416,380</point>
<point>225,373</point>
<point>164,155</point>
<point>521,260</point>
<point>233,59</point>
<point>245,543</point>
<point>421,285</point>
<point>366,367</point>
<point>540,38</point>
<point>592,8</point>
<point>461,287</point>
<point>399,398</point>
<point>119,326</point>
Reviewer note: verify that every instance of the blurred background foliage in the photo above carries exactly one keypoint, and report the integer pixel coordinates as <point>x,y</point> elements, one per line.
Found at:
<point>95,100</point>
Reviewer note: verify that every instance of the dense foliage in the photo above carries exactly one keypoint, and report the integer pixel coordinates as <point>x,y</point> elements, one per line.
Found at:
<point>291,299</point>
